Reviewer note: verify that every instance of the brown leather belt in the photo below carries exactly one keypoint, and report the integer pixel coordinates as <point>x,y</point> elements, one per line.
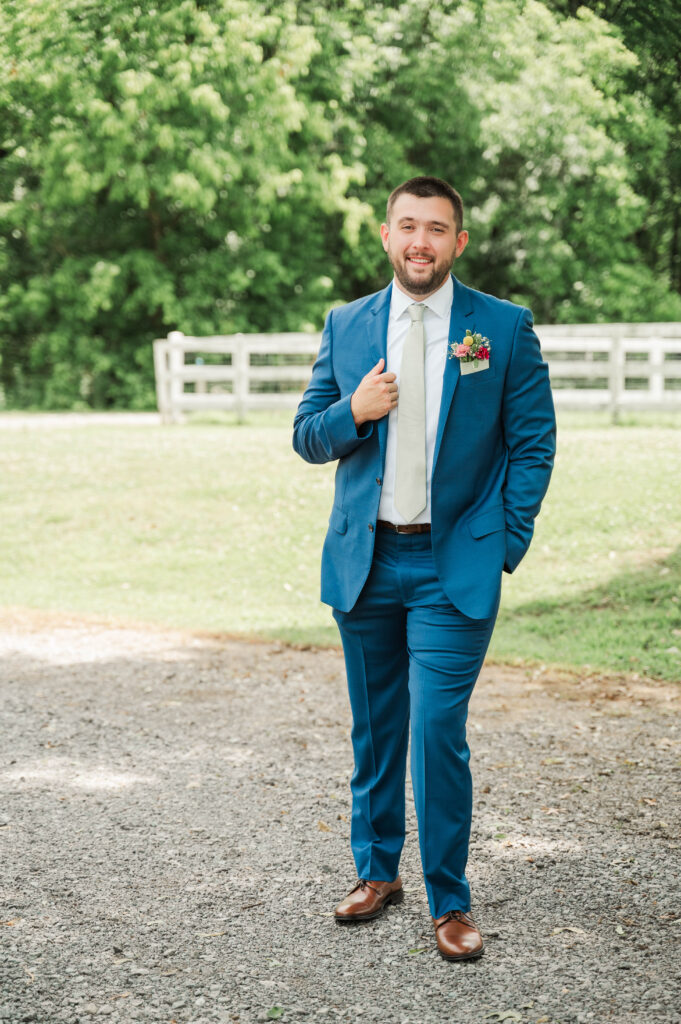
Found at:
<point>403,527</point>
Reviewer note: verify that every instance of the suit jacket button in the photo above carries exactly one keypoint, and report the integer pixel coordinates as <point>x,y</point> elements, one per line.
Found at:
<point>371,527</point>
<point>379,481</point>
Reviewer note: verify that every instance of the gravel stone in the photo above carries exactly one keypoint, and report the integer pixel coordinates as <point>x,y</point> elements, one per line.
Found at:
<point>174,836</point>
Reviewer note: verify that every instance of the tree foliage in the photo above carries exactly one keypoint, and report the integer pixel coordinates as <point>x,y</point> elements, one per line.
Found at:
<point>652,30</point>
<point>222,165</point>
<point>532,117</point>
<point>149,182</point>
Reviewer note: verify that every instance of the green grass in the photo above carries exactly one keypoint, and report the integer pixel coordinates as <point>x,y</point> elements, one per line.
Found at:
<point>219,527</point>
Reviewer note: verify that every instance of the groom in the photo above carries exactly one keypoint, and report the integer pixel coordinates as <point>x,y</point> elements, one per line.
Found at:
<point>436,403</point>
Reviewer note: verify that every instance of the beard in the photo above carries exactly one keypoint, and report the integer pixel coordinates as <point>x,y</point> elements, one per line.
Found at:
<point>420,284</point>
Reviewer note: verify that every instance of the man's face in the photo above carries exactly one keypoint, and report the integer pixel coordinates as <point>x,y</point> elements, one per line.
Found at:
<point>422,242</point>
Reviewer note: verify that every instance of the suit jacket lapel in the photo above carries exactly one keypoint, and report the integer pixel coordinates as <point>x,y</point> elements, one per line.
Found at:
<point>377,328</point>
<point>460,321</point>
<point>377,323</point>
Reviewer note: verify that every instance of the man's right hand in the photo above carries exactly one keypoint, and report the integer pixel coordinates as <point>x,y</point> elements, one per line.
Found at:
<point>375,396</point>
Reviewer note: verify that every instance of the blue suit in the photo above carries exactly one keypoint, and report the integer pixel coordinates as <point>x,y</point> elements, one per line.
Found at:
<point>416,612</point>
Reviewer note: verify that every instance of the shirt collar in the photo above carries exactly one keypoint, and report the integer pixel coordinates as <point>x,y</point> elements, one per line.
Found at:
<point>439,303</point>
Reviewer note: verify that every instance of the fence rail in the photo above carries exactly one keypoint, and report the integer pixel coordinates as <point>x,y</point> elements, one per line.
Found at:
<point>617,367</point>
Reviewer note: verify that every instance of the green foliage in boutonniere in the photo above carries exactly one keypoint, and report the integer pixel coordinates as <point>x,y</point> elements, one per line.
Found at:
<point>473,346</point>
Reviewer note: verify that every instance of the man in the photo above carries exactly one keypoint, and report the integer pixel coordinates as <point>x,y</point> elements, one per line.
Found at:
<point>437,405</point>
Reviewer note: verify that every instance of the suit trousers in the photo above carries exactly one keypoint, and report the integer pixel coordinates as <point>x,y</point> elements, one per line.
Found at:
<point>412,659</point>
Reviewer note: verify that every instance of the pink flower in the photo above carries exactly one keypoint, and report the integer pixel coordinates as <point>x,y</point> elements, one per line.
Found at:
<point>461,350</point>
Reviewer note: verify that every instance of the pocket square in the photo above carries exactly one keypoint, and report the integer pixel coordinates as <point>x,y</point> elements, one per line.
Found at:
<point>474,366</point>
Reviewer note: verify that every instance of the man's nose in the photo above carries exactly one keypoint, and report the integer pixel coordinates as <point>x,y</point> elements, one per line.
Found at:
<point>420,238</point>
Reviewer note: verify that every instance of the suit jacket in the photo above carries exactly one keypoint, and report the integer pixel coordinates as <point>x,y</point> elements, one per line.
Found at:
<point>493,459</point>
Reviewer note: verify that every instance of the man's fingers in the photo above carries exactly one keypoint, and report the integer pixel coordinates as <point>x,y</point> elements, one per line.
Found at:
<point>376,394</point>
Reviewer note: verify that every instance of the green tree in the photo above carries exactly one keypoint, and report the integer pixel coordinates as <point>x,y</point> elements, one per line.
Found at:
<point>222,165</point>
<point>652,30</point>
<point>159,172</point>
<point>532,116</point>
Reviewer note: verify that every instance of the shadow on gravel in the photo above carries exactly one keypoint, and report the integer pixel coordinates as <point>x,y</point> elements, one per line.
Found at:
<point>174,825</point>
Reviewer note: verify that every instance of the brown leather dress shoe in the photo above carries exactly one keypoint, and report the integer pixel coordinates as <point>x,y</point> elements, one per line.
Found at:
<point>457,936</point>
<point>368,899</point>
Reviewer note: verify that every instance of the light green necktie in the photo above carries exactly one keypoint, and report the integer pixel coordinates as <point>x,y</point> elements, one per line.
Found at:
<point>410,477</point>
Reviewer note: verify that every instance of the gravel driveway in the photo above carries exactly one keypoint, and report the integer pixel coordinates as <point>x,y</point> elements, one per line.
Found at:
<point>174,834</point>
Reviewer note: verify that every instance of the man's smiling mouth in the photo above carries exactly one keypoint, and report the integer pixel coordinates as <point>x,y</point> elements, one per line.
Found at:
<point>420,261</point>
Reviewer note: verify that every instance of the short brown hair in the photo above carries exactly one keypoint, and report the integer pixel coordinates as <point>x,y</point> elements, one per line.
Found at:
<point>425,187</point>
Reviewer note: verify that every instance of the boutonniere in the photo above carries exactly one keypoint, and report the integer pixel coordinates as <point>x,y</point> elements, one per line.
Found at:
<point>472,353</point>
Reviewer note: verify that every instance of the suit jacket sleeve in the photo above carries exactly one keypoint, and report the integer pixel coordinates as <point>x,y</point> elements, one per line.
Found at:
<point>324,428</point>
<point>530,436</point>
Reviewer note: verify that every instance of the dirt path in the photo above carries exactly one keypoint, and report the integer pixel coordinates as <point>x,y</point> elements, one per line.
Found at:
<point>174,834</point>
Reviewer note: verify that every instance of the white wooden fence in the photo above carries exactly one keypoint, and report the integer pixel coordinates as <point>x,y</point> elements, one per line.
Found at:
<point>618,367</point>
<point>593,366</point>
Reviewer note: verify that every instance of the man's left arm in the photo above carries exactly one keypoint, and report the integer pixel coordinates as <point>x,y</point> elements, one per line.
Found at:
<point>530,434</point>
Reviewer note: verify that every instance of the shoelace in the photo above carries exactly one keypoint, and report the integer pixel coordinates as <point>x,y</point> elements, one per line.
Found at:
<point>456,915</point>
<point>362,884</point>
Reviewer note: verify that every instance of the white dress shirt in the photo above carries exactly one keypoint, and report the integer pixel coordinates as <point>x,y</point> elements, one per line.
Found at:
<point>436,318</point>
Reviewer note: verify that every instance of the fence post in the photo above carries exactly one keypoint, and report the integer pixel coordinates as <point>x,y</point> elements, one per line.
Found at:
<point>656,371</point>
<point>241,363</point>
<point>162,375</point>
<point>176,363</point>
<point>616,381</point>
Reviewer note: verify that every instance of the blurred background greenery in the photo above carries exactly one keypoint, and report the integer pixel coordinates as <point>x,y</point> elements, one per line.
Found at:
<point>215,166</point>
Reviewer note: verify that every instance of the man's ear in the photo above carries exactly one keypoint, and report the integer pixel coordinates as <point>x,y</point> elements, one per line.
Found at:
<point>461,243</point>
<point>385,231</point>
